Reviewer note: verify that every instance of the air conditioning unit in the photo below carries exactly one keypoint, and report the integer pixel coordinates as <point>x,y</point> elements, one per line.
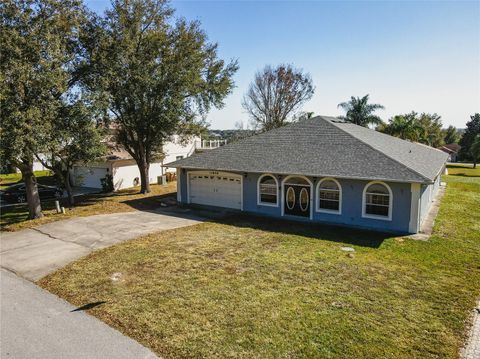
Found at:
<point>162,180</point>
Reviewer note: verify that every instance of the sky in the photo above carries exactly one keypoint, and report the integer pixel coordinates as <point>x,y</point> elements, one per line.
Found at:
<point>421,56</point>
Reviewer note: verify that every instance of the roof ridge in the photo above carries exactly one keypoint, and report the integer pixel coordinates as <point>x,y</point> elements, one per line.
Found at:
<point>375,149</point>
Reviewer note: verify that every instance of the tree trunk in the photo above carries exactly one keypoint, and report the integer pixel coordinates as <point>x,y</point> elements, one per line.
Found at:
<point>31,189</point>
<point>144,167</point>
<point>474,164</point>
<point>68,188</point>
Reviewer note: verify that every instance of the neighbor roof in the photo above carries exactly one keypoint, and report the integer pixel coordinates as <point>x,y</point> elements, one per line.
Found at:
<point>324,146</point>
<point>452,147</point>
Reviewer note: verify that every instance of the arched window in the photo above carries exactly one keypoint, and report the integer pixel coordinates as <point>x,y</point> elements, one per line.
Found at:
<point>267,190</point>
<point>329,196</point>
<point>377,201</point>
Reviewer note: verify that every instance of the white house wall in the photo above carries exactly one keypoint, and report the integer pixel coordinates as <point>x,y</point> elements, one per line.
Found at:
<point>38,166</point>
<point>89,176</point>
<point>175,148</point>
<point>129,176</point>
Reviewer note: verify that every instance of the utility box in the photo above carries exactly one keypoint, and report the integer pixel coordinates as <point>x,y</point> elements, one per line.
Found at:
<point>162,180</point>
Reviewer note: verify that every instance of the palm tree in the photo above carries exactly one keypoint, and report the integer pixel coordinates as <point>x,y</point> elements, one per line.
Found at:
<point>360,112</point>
<point>404,126</point>
<point>475,150</point>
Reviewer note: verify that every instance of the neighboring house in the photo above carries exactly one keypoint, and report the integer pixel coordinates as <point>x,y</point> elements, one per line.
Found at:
<point>120,165</point>
<point>452,150</point>
<point>37,166</point>
<point>320,170</point>
<point>176,149</point>
<point>125,170</point>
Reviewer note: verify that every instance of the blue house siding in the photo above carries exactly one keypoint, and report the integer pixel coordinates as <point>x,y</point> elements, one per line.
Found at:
<point>352,196</point>
<point>182,182</point>
<point>427,195</point>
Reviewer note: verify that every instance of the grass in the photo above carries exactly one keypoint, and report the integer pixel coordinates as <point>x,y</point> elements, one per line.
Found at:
<point>15,218</point>
<point>250,288</point>
<point>466,170</point>
<point>43,177</point>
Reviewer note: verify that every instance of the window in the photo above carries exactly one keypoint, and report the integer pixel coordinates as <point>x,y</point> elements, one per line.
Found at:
<point>377,201</point>
<point>178,158</point>
<point>329,196</point>
<point>267,190</point>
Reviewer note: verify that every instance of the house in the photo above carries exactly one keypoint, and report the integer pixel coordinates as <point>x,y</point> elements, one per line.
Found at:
<point>452,149</point>
<point>319,170</point>
<point>124,169</point>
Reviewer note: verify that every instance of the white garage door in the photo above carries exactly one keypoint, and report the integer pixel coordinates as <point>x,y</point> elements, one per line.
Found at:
<point>89,176</point>
<point>219,189</point>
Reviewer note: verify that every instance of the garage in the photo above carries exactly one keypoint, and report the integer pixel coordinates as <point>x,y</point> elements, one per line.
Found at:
<point>221,189</point>
<point>89,176</point>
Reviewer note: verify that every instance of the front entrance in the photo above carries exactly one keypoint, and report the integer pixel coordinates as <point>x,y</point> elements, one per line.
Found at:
<point>297,194</point>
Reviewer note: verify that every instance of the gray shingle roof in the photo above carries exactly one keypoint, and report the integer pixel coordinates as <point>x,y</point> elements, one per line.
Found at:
<point>324,146</point>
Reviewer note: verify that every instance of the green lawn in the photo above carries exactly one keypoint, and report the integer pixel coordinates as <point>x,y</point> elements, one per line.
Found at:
<point>43,177</point>
<point>250,288</point>
<point>459,169</point>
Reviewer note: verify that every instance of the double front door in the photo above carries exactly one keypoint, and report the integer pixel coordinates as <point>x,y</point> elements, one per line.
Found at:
<point>297,200</point>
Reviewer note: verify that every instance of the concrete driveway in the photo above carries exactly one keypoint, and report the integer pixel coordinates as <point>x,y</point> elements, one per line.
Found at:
<point>36,252</point>
<point>37,324</point>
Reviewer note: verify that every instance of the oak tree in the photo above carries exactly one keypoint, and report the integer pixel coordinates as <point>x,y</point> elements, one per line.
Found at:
<point>39,47</point>
<point>154,74</point>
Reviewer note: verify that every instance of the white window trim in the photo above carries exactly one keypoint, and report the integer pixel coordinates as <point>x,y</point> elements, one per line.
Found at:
<point>364,202</point>
<point>259,202</point>
<point>283,193</point>
<point>317,197</point>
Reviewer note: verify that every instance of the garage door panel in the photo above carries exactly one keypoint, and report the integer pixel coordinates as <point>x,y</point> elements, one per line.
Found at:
<point>221,190</point>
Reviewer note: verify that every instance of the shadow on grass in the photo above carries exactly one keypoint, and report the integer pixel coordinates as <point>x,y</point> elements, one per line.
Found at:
<point>345,235</point>
<point>464,175</point>
<point>460,166</point>
<point>334,233</point>
<point>152,203</point>
<point>87,306</point>
<point>18,213</point>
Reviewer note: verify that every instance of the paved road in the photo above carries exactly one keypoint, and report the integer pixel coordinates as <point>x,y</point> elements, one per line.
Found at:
<point>36,252</point>
<point>38,325</point>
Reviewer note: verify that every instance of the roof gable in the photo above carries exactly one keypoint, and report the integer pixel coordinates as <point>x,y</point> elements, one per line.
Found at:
<point>323,146</point>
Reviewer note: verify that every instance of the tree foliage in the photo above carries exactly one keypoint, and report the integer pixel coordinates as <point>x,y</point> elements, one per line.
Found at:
<point>472,130</point>
<point>275,95</point>
<point>451,135</point>
<point>431,130</point>
<point>39,48</point>
<point>475,150</point>
<point>423,128</point>
<point>403,126</point>
<point>360,112</point>
<point>74,137</point>
<point>154,75</point>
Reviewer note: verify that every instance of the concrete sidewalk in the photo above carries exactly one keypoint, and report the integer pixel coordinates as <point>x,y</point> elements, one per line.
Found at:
<point>37,324</point>
<point>36,252</point>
